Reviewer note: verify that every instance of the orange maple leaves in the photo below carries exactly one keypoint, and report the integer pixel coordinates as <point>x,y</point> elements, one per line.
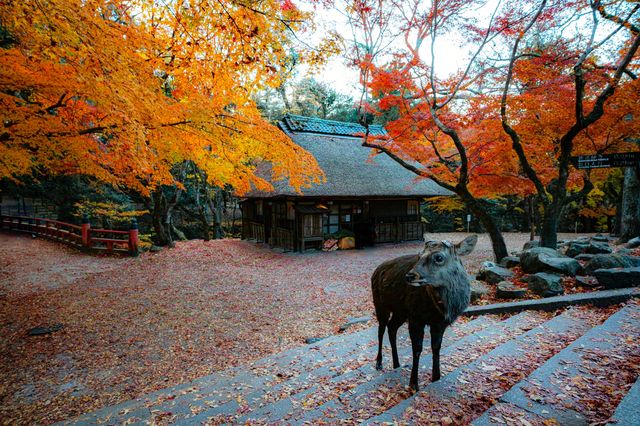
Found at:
<point>123,90</point>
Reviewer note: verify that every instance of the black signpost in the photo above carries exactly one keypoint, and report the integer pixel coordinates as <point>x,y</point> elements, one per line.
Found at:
<point>601,161</point>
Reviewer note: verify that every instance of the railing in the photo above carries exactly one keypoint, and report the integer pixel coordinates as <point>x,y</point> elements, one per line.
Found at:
<point>253,231</point>
<point>83,237</point>
<point>282,237</point>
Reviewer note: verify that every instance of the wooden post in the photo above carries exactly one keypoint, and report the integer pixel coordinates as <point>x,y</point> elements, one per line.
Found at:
<point>86,226</point>
<point>133,237</point>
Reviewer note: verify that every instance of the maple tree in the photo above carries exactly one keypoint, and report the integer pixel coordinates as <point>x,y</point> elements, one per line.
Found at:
<point>507,122</point>
<point>126,91</point>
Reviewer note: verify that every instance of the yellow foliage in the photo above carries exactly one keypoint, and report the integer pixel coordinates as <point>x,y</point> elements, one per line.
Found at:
<point>446,204</point>
<point>123,90</point>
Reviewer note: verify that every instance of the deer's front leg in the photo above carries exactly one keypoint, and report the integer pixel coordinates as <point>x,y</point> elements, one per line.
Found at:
<point>416,333</point>
<point>437,331</point>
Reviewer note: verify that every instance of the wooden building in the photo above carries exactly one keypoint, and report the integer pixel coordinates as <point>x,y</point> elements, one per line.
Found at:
<point>376,199</point>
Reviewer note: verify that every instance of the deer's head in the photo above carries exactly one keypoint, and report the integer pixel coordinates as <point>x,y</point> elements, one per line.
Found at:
<point>439,263</point>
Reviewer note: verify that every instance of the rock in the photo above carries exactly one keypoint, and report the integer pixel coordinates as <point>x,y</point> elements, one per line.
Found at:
<point>494,274</point>
<point>625,250</point>
<point>531,244</point>
<point>575,248</point>
<point>596,247</point>
<point>600,237</point>
<point>561,265</point>
<point>529,259</point>
<point>633,243</point>
<point>608,261</point>
<point>478,289</point>
<point>584,257</point>
<point>39,331</point>
<point>510,261</point>
<point>545,284</point>
<point>311,340</point>
<point>618,277</point>
<point>506,290</point>
<point>586,281</point>
<point>155,249</point>
<point>354,321</point>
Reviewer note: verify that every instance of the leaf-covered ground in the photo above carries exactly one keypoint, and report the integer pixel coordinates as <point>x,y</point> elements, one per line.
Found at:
<point>135,325</point>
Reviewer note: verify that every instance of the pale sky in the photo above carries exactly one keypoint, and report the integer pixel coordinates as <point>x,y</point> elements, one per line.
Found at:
<point>449,56</point>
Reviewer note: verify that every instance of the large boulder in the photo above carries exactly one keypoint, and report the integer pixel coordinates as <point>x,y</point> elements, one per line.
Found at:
<point>561,265</point>
<point>545,284</point>
<point>586,281</point>
<point>598,247</point>
<point>478,289</point>
<point>531,244</point>
<point>585,257</point>
<point>574,248</point>
<point>618,277</point>
<point>510,261</point>
<point>633,243</point>
<point>609,261</point>
<point>493,274</point>
<point>530,259</point>
<point>506,290</point>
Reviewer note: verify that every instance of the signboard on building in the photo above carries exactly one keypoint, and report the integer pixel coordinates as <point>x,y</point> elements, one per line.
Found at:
<point>601,161</point>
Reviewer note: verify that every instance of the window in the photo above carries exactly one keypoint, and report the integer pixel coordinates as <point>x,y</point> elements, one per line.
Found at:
<point>413,207</point>
<point>291,211</point>
<point>312,225</point>
<point>259,208</point>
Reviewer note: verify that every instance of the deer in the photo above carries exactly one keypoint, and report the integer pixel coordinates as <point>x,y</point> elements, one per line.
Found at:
<point>430,288</point>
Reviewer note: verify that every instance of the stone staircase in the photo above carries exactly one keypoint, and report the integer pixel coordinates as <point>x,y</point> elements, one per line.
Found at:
<point>573,367</point>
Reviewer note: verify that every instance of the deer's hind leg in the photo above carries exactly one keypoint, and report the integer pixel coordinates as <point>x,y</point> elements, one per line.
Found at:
<point>383,320</point>
<point>394,325</point>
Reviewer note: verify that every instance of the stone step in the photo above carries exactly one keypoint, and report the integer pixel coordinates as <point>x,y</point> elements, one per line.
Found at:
<point>226,383</point>
<point>324,401</point>
<point>628,412</point>
<point>555,391</point>
<point>330,356</point>
<point>467,391</point>
<point>279,398</point>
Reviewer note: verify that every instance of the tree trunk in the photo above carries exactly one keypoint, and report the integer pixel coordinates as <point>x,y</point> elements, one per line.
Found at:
<point>497,241</point>
<point>630,211</point>
<point>178,232</point>
<point>160,219</point>
<point>204,221</point>
<point>549,229</point>
<point>161,215</point>
<point>216,210</point>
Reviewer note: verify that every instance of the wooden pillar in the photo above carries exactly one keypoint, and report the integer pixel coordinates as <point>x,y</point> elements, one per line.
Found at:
<point>86,227</point>
<point>133,237</point>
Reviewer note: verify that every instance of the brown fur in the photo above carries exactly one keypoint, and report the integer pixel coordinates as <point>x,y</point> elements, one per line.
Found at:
<point>430,288</point>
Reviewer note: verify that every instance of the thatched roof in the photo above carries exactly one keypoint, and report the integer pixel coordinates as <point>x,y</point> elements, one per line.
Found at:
<point>348,169</point>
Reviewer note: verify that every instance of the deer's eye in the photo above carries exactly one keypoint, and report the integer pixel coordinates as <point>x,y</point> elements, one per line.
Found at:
<point>438,258</point>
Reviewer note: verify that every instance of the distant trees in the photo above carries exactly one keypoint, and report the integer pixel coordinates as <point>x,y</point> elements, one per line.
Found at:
<point>307,97</point>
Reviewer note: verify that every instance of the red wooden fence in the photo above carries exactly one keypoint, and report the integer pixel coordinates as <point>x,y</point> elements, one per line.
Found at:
<point>83,237</point>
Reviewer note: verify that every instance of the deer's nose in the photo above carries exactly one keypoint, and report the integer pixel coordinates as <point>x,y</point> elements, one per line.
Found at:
<point>411,276</point>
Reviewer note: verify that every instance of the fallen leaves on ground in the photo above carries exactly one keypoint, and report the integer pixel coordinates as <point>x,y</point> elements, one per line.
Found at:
<point>135,325</point>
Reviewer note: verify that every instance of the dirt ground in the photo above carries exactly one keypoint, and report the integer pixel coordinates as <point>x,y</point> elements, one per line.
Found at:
<point>135,325</point>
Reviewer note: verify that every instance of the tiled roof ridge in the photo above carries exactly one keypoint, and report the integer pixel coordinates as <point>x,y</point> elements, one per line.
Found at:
<point>304,124</point>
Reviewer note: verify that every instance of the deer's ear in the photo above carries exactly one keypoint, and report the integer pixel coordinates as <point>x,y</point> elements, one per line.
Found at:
<point>467,245</point>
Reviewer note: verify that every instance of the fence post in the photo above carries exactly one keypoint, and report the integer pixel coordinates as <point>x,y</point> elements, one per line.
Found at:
<point>133,237</point>
<point>86,226</point>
